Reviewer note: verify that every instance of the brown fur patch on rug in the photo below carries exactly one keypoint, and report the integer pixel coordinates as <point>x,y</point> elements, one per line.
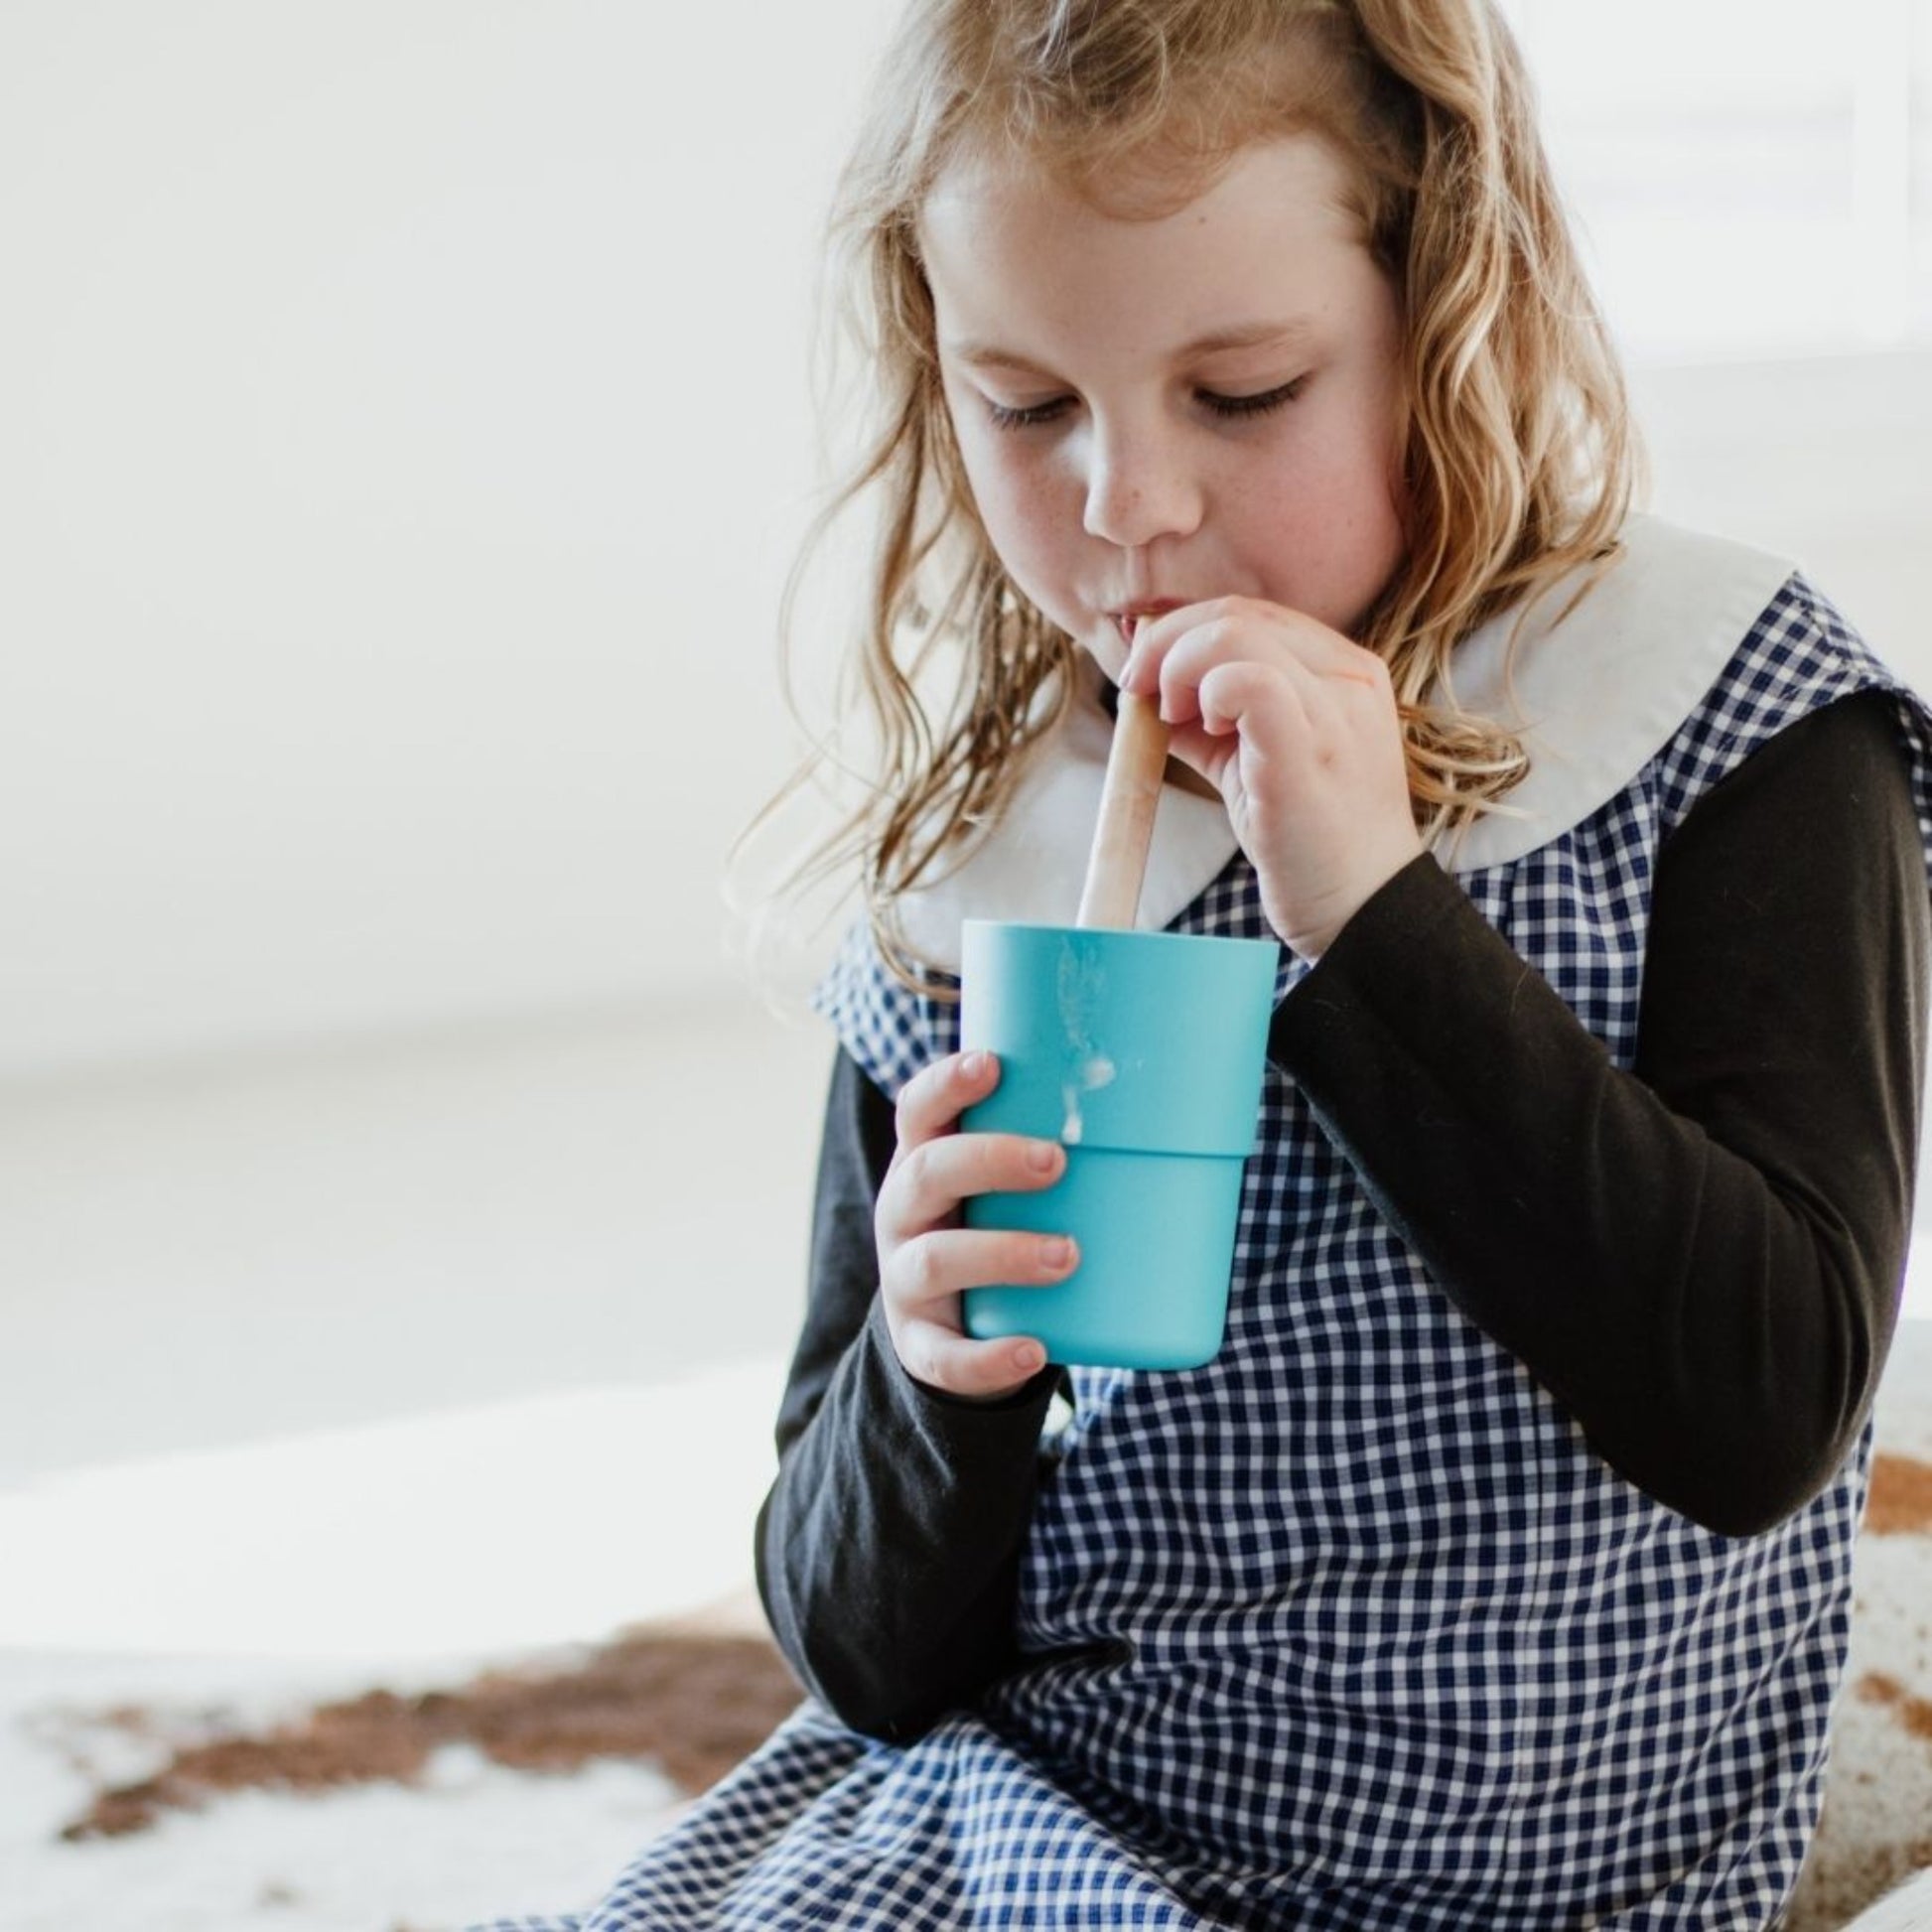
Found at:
<point>1914,1714</point>
<point>1900,1503</point>
<point>693,1703</point>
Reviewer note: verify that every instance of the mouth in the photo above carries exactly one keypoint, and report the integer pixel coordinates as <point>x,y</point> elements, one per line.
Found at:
<point>1127,618</point>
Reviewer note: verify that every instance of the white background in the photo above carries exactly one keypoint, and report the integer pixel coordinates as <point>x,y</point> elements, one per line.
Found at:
<point>403,433</point>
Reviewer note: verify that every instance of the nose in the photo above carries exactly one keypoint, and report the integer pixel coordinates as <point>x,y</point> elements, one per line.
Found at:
<point>1138,487</point>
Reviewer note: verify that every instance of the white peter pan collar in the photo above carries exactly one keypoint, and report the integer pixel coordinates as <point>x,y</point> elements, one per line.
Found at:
<point>1595,693</point>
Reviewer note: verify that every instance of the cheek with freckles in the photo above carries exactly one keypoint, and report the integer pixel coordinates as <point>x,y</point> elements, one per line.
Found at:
<point>1031,519</point>
<point>1325,537</point>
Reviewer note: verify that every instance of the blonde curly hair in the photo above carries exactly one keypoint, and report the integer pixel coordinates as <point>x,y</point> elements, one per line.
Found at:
<point>1520,460</point>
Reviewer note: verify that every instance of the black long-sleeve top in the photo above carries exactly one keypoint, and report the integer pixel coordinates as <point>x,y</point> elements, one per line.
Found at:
<point>1701,1257</point>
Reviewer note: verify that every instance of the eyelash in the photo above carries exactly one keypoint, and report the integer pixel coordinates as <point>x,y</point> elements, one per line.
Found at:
<point>1234,408</point>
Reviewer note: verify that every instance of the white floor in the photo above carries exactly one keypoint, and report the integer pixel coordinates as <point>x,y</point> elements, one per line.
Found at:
<point>403,1348</point>
<point>218,1253</point>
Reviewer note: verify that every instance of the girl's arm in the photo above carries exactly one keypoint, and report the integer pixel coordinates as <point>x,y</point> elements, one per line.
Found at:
<point>887,1549</point>
<point>1701,1258</point>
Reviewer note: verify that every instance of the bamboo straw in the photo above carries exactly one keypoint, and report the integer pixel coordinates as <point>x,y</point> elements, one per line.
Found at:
<point>1125,829</point>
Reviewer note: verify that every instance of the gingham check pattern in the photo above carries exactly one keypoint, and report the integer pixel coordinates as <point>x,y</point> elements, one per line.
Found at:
<point>1371,1640</point>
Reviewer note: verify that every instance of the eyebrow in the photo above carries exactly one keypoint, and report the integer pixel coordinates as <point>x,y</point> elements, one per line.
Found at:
<point>1251,334</point>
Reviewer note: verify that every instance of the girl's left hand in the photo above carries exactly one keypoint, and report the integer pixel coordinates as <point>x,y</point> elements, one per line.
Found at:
<point>1297,728</point>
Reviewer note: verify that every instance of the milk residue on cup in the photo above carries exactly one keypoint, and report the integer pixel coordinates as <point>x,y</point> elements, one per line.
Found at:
<point>1098,1072</point>
<point>1080,985</point>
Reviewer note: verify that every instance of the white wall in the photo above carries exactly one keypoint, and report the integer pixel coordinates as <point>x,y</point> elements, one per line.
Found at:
<point>1821,459</point>
<point>403,433</point>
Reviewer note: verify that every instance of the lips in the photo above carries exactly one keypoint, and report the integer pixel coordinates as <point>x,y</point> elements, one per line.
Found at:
<point>1129,614</point>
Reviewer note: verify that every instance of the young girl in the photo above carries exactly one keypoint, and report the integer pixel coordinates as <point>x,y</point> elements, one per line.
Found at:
<point>1496,1572</point>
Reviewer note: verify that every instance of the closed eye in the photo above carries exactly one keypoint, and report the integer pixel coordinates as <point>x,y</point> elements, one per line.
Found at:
<point>1032,415</point>
<point>1025,418</point>
<point>1258,404</point>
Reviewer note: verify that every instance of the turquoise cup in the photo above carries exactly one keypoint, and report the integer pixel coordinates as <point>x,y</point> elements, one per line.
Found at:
<point>1143,1052</point>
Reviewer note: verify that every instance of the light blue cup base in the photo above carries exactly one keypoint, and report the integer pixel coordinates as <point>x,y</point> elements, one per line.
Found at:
<point>1123,1307</point>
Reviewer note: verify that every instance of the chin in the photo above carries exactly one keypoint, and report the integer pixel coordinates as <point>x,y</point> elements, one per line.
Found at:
<point>1090,649</point>
<point>1108,660</point>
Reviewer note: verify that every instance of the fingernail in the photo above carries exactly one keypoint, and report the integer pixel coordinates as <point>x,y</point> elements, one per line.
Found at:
<point>1029,1358</point>
<point>973,1065</point>
<point>1056,1252</point>
<point>1044,1157</point>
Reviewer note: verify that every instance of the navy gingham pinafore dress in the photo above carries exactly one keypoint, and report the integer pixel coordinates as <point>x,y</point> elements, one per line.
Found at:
<point>1374,1643</point>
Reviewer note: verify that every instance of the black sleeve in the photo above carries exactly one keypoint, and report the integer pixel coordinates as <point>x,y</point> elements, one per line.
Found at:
<point>1700,1258</point>
<point>887,1550</point>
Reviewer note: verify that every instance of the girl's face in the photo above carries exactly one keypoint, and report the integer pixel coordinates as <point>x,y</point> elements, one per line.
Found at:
<point>1154,413</point>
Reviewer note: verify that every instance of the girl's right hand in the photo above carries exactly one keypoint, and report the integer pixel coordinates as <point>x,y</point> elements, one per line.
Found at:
<point>926,1258</point>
